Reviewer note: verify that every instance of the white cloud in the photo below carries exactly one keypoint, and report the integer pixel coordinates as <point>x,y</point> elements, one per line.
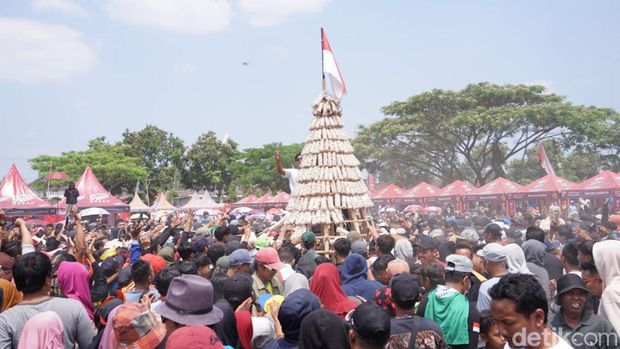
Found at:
<point>186,16</point>
<point>64,6</point>
<point>38,52</point>
<point>265,13</point>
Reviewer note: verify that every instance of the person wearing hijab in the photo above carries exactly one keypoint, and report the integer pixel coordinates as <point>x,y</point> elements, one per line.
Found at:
<point>535,252</point>
<point>322,329</point>
<point>516,260</point>
<point>354,275</point>
<point>607,259</point>
<point>403,249</point>
<point>295,282</point>
<point>42,331</point>
<point>73,281</point>
<point>292,312</point>
<point>325,284</point>
<point>10,294</point>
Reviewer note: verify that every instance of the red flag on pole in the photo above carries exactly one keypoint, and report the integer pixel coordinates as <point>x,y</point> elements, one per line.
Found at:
<point>371,182</point>
<point>330,67</point>
<point>544,160</point>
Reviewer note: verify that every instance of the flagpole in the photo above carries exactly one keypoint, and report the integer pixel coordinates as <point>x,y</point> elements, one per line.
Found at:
<point>322,63</point>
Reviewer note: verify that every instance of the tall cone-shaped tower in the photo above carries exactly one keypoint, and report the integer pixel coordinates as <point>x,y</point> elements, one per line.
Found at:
<point>330,190</point>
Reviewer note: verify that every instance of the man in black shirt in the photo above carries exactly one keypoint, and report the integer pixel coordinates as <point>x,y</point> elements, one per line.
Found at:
<point>71,194</point>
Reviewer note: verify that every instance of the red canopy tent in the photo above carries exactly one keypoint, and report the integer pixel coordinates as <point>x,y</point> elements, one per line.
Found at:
<point>281,199</point>
<point>419,193</point>
<point>57,176</point>
<point>246,201</point>
<point>455,193</point>
<point>387,194</point>
<point>599,187</point>
<point>93,194</point>
<point>499,191</point>
<point>17,199</point>
<point>262,201</point>
<point>547,190</point>
<point>547,187</point>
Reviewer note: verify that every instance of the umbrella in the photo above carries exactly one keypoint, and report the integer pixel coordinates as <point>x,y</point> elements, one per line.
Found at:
<point>434,209</point>
<point>276,211</point>
<point>137,215</point>
<point>210,212</point>
<point>35,222</point>
<point>387,209</point>
<point>93,211</point>
<point>413,208</point>
<point>241,210</point>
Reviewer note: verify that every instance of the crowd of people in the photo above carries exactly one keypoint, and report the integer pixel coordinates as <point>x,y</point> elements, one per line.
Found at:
<point>410,281</point>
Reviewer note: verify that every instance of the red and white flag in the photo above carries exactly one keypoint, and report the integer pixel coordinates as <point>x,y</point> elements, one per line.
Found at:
<point>371,182</point>
<point>330,68</point>
<point>544,160</point>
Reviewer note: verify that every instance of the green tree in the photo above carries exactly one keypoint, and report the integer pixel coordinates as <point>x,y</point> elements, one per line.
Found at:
<point>208,163</point>
<point>471,134</point>
<point>159,151</point>
<point>114,169</point>
<point>254,169</point>
<point>575,165</point>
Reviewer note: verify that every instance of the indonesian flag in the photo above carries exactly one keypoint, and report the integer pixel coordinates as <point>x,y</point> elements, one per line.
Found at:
<point>330,68</point>
<point>371,182</point>
<point>544,160</point>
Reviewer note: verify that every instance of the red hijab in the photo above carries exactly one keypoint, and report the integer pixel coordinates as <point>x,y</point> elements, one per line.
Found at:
<point>325,284</point>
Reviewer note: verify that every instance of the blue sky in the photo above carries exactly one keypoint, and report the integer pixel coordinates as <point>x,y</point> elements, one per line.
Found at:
<point>73,70</point>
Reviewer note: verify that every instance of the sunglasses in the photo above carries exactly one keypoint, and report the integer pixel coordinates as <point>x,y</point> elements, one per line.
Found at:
<point>268,267</point>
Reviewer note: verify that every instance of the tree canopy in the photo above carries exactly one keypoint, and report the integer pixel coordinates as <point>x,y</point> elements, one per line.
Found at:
<point>208,163</point>
<point>114,169</point>
<point>473,133</point>
<point>254,169</point>
<point>161,152</point>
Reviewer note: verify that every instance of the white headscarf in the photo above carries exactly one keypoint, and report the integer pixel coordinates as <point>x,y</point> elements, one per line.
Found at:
<point>403,249</point>
<point>515,259</point>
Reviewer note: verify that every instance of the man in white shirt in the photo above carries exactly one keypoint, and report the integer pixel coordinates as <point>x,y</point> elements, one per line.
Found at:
<point>289,173</point>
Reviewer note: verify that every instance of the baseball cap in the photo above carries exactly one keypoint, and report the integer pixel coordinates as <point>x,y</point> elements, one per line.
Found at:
<point>436,233</point>
<point>359,247</point>
<point>493,252</point>
<point>370,322</point>
<point>308,236</point>
<point>199,243</point>
<point>397,266</point>
<point>569,282</point>
<point>469,234</point>
<point>231,246</point>
<point>269,256</point>
<point>240,256</point>
<point>223,262</point>
<point>136,327</point>
<point>459,263</point>
<point>238,288</point>
<point>194,337</point>
<point>405,288</point>
<point>263,241</point>
<point>514,233</point>
<point>157,262</point>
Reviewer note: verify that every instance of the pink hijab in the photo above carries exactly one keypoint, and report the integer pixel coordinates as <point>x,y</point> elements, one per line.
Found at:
<point>43,331</point>
<point>74,283</point>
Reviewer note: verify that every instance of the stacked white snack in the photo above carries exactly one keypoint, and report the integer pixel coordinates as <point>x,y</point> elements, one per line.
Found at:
<point>329,180</point>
